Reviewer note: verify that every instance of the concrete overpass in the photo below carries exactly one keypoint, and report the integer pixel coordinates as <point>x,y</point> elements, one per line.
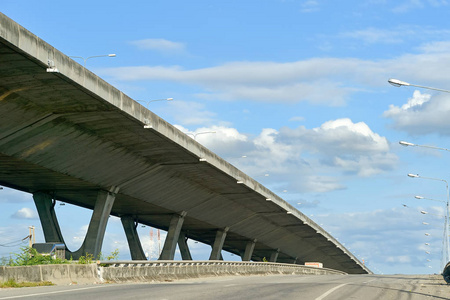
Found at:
<point>66,134</point>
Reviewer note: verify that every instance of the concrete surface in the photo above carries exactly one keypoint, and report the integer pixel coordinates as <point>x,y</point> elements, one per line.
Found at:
<point>71,134</point>
<point>148,271</point>
<point>169,270</point>
<point>273,287</point>
<point>57,274</point>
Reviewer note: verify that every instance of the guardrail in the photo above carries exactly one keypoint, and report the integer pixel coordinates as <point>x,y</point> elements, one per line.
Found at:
<point>170,270</point>
<point>145,271</point>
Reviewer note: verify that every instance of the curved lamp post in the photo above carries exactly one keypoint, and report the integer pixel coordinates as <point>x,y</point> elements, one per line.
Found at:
<point>423,212</point>
<point>89,57</point>
<point>399,83</point>
<point>148,101</point>
<point>406,144</point>
<point>420,198</point>
<point>195,134</point>
<point>445,252</point>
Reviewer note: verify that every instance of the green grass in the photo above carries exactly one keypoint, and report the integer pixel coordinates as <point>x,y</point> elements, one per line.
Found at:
<point>13,284</point>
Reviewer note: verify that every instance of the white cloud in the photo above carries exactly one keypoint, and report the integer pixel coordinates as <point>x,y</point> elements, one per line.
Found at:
<point>436,47</point>
<point>297,119</point>
<point>25,213</point>
<point>8,195</point>
<point>400,34</point>
<point>379,236</point>
<point>227,139</point>
<point>408,5</point>
<point>375,35</point>
<point>357,136</point>
<point>398,259</point>
<point>422,114</point>
<point>160,45</point>
<point>309,6</point>
<point>304,159</point>
<point>316,80</point>
<point>351,147</point>
<point>14,236</point>
<point>190,113</point>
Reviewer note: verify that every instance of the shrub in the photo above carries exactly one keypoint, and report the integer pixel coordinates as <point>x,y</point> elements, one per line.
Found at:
<point>29,257</point>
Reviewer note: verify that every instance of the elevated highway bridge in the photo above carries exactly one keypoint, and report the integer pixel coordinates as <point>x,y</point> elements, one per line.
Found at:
<point>66,134</point>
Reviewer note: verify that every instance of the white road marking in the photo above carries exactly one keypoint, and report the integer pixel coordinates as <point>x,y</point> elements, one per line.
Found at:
<point>330,291</point>
<point>55,292</point>
<point>366,282</point>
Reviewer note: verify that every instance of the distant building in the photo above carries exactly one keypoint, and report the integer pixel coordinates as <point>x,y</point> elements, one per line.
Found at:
<point>56,250</point>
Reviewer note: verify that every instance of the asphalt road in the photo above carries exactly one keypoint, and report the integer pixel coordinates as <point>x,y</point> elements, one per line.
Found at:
<point>329,287</point>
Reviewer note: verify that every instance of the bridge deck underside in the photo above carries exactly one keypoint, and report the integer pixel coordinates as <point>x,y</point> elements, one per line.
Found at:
<point>58,136</point>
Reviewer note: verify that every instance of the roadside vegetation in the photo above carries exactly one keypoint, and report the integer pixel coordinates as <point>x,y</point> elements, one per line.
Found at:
<point>30,257</point>
<point>13,284</point>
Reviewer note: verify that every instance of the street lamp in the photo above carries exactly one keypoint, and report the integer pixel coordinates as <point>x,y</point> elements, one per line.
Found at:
<point>148,101</point>
<point>85,59</point>
<point>420,198</point>
<point>428,213</point>
<point>406,144</point>
<point>399,83</point>
<point>195,134</point>
<point>445,252</point>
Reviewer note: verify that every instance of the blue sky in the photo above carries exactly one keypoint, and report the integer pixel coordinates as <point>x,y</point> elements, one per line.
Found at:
<point>299,88</point>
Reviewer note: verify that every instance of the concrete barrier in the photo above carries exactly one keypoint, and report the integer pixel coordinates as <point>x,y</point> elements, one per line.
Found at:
<point>145,271</point>
<point>170,270</point>
<point>57,274</point>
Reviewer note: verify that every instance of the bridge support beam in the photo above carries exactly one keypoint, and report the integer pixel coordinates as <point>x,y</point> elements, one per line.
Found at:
<point>45,206</point>
<point>96,231</point>
<point>170,245</point>
<point>94,238</point>
<point>134,243</point>
<point>216,252</point>
<point>184,248</point>
<point>274,255</point>
<point>249,250</point>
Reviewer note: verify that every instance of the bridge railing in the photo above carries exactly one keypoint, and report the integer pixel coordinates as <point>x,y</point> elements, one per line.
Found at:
<point>169,270</point>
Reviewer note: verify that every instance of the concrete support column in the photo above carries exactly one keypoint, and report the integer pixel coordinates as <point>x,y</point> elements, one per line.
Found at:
<point>170,245</point>
<point>134,243</point>
<point>216,252</point>
<point>45,207</point>
<point>184,248</point>
<point>274,255</point>
<point>249,250</point>
<point>94,238</point>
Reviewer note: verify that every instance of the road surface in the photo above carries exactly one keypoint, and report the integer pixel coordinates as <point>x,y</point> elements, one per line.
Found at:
<point>326,287</point>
